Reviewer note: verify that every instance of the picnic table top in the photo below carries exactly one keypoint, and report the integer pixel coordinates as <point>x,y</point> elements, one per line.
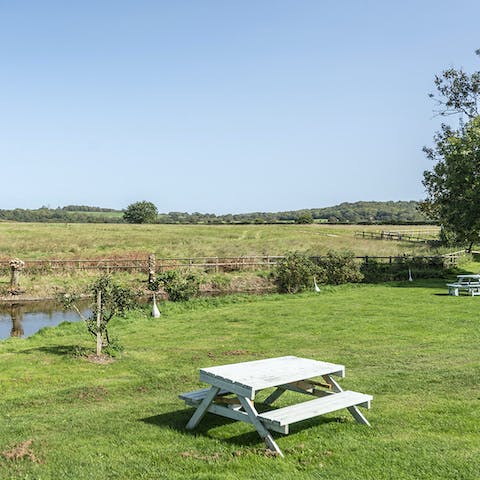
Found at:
<point>474,276</point>
<point>271,372</point>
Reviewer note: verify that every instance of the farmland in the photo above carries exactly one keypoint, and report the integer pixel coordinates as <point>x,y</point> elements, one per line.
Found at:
<point>46,241</point>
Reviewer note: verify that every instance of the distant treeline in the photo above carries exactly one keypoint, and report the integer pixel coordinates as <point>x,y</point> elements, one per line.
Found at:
<point>360,212</point>
<point>87,208</point>
<point>58,215</point>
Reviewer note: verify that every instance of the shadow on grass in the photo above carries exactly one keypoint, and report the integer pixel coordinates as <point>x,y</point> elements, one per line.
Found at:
<point>177,420</point>
<point>437,283</point>
<point>62,350</point>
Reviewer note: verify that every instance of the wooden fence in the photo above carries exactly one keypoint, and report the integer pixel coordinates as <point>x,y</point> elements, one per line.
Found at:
<point>416,236</point>
<point>210,264</point>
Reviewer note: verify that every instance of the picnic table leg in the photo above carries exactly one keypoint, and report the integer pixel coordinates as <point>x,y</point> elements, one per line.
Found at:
<point>262,431</point>
<point>274,396</point>
<point>202,408</point>
<point>354,411</point>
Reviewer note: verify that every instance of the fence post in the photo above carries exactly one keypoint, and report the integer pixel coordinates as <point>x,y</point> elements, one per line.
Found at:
<point>151,268</point>
<point>16,266</point>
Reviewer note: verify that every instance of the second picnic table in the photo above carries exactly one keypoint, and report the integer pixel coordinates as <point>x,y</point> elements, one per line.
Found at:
<point>244,380</point>
<point>470,283</point>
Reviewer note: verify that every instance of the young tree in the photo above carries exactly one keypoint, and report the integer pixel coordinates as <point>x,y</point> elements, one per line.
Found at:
<point>110,300</point>
<point>141,212</point>
<point>453,185</point>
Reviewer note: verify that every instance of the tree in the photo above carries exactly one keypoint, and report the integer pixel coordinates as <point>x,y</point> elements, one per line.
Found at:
<point>305,217</point>
<point>110,300</point>
<point>458,92</point>
<point>453,185</point>
<point>141,212</point>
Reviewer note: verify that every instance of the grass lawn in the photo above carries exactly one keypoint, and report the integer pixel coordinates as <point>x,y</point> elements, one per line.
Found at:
<point>415,349</point>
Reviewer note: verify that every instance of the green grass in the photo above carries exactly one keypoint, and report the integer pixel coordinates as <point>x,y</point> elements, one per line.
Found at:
<point>412,347</point>
<point>32,241</point>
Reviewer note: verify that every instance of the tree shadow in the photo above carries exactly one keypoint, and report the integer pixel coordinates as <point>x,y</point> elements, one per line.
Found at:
<point>437,283</point>
<point>62,350</point>
<point>177,421</point>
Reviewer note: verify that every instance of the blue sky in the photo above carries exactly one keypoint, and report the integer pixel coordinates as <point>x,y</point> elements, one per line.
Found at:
<point>221,106</point>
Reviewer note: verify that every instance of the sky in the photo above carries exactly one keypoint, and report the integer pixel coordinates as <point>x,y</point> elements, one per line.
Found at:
<point>220,106</point>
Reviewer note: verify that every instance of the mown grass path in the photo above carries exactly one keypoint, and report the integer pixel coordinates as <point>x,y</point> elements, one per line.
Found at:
<point>411,346</point>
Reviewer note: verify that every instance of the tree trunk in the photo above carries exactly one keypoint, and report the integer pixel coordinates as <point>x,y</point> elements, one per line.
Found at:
<point>16,266</point>
<point>99,323</point>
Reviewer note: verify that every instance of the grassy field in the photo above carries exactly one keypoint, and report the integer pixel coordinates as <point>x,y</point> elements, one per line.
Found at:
<point>41,240</point>
<point>411,346</point>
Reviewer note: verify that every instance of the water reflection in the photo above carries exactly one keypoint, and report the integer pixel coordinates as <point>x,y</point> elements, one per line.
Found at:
<point>17,317</point>
<point>25,319</point>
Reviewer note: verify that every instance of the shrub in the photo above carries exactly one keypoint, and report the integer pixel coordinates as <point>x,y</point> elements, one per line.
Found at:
<point>294,273</point>
<point>337,268</point>
<point>180,286</point>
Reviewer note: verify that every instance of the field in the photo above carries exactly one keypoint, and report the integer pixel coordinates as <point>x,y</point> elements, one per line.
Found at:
<point>411,346</point>
<point>33,241</point>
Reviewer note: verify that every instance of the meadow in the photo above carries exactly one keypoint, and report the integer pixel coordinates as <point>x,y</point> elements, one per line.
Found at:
<point>411,346</point>
<point>33,241</point>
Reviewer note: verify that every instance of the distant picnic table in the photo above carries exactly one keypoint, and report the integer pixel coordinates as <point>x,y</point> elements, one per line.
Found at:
<point>233,389</point>
<point>468,283</point>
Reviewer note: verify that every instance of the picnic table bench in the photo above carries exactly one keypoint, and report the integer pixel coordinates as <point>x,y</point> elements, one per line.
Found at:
<point>469,283</point>
<point>234,387</point>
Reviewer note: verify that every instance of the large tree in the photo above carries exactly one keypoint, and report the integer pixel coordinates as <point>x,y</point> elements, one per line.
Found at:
<point>141,212</point>
<point>453,184</point>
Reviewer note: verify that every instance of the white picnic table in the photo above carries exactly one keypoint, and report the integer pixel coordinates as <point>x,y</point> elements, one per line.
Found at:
<point>233,389</point>
<point>470,283</point>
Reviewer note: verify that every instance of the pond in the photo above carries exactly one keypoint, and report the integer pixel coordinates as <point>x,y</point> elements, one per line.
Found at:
<point>25,319</point>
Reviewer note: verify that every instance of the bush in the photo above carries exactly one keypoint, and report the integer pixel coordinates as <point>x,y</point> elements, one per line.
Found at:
<point>180,286</point>
<point>294,273</point>
<point>337,268</point>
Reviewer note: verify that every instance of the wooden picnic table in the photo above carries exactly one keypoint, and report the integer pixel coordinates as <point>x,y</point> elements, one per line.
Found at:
<point>470,283</point>
<point>233,389</point>
<point>468,278</point>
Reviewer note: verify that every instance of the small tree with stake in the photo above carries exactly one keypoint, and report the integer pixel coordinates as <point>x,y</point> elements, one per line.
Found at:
<point>110,300</point>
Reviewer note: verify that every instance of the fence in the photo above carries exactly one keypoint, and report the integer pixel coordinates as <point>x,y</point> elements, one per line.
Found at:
<point>416,236</point>
<point>211,264</point>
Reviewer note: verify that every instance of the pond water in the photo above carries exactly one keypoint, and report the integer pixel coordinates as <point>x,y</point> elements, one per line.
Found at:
<point>25,319</point>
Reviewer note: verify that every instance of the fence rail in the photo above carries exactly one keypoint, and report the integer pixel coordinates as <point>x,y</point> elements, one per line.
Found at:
<point>215,264</point>
<point>416,236</point>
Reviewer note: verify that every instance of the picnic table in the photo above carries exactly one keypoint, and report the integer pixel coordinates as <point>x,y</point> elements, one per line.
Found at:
<point>469,283</point>
<point>233,389</point>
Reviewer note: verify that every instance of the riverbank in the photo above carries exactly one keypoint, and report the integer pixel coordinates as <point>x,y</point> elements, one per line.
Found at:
<point>41,287</point>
